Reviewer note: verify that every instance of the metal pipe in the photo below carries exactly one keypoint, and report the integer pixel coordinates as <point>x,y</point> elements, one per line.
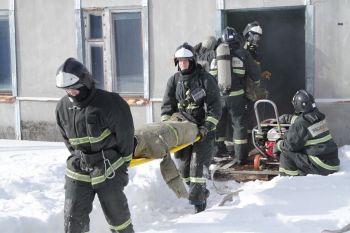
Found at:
<point>40,99</point>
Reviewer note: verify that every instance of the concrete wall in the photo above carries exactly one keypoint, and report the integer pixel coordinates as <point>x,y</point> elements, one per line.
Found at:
<point>241,4</point>
<point>172,23</point>
<point>332,83</point>
<point>332,46</point>
<point>7,122</point>
<point>38,121</point>
<point>4,4</point>
<point>45,38</point>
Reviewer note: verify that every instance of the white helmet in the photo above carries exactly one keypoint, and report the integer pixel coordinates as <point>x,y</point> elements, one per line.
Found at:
<point>252,32</point>
<point>184,51</point>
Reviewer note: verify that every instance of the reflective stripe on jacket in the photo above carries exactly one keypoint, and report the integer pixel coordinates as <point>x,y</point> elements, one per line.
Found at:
<point>101,123</point>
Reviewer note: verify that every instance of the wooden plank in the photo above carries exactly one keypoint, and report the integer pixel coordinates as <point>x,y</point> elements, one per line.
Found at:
<point>244,175</point>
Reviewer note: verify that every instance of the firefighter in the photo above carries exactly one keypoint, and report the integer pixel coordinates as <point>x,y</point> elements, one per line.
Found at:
<point>232,66</point>
<point>97,128</point>
<point>252,34</point>
<point>308,147</point>
<point>193,93</point>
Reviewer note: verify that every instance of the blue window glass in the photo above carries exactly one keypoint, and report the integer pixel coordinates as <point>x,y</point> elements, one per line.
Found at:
<point>5,58</point>
<point>95,26</point>
<point>128,53</point>
<point>97,66</point>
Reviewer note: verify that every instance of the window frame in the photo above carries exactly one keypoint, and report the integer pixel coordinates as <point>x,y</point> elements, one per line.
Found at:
<point>9,95</point>
<point>109,61</point>
<point>99,42</point>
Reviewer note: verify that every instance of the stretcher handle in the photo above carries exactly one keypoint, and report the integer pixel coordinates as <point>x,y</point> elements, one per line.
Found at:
<point>139,161</point>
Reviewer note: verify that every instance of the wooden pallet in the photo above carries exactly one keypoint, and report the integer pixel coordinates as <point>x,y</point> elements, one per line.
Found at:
<point>245,173</point>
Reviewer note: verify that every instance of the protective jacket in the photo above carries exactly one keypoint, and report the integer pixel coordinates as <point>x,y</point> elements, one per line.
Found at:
<point>178,97</point>
<point>196,97</point>
<point>100,138</point>
<point>309,135</point>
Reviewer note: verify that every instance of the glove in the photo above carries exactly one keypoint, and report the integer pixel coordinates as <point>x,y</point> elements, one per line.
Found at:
<point>283,119</point>
<point>84,163</point>
<point>164,118</point>
<point>275,149</point>
<point>203,131</point>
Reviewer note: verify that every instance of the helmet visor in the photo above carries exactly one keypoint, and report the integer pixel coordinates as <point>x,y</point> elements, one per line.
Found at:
<point>67,80</point>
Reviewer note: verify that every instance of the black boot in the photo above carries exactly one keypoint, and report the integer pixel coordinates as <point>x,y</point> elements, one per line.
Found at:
<point>201,207</point>
<point>221,150</point>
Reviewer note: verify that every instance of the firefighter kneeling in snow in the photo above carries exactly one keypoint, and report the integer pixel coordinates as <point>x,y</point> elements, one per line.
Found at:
<point>195,94</point>
<point>97,128</point>
<point>308,147</point>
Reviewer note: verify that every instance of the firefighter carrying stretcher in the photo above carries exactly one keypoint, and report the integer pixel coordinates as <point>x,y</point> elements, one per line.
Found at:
<point>193,93</point>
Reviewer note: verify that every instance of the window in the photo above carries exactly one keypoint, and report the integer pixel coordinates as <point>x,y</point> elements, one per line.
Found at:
<point>95,45</point>
<point>5,57</point>
<point>116,51</point>
<point>128,53</point>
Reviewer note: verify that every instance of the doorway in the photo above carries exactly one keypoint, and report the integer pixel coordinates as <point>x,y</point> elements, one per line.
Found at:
<point>282,49</point>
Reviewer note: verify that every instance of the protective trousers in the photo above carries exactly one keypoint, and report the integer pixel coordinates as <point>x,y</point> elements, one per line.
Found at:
<point>191,161</point>
<point>234,110</point>
<point>298,164</point>
<point>79,198</point>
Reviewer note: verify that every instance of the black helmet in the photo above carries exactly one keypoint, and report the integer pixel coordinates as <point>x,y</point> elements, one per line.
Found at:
<point>73,74</point>
<point>303,102</point>
<point>231,36</point>
<point>252,32</point>
<point>184,51</point>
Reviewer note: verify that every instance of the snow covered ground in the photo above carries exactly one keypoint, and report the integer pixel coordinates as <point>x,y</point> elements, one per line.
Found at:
<point>32,196</point>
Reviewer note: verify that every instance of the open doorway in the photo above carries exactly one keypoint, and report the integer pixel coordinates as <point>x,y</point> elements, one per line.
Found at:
<point>282,50</point>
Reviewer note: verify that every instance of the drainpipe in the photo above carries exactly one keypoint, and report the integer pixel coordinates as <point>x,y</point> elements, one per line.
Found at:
<point>79,31</point>
<point>12,25</point>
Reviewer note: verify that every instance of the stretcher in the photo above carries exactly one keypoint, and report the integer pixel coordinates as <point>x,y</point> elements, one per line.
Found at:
<point>138,161</point>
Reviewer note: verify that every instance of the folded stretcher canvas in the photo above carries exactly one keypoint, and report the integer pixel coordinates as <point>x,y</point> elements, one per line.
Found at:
<point>155,140</point>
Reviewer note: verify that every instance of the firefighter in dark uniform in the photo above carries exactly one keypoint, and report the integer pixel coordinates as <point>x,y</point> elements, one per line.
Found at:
<point>97,128</point>
<point>252,34</point>
<point>308,147</point>
<point>232,66</point>
<point>193,93</point>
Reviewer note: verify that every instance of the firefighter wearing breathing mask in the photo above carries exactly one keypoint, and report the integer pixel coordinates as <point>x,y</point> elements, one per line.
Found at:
<point>193,93</point>
<point>232,66</point>
<point>252,34</point>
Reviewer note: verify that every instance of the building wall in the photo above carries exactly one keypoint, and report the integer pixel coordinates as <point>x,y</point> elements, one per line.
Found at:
<point>46,36</point>
<point>332,46</point>
<point>7,122</point>
<point>4,4</point>
<point>182,21</point>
